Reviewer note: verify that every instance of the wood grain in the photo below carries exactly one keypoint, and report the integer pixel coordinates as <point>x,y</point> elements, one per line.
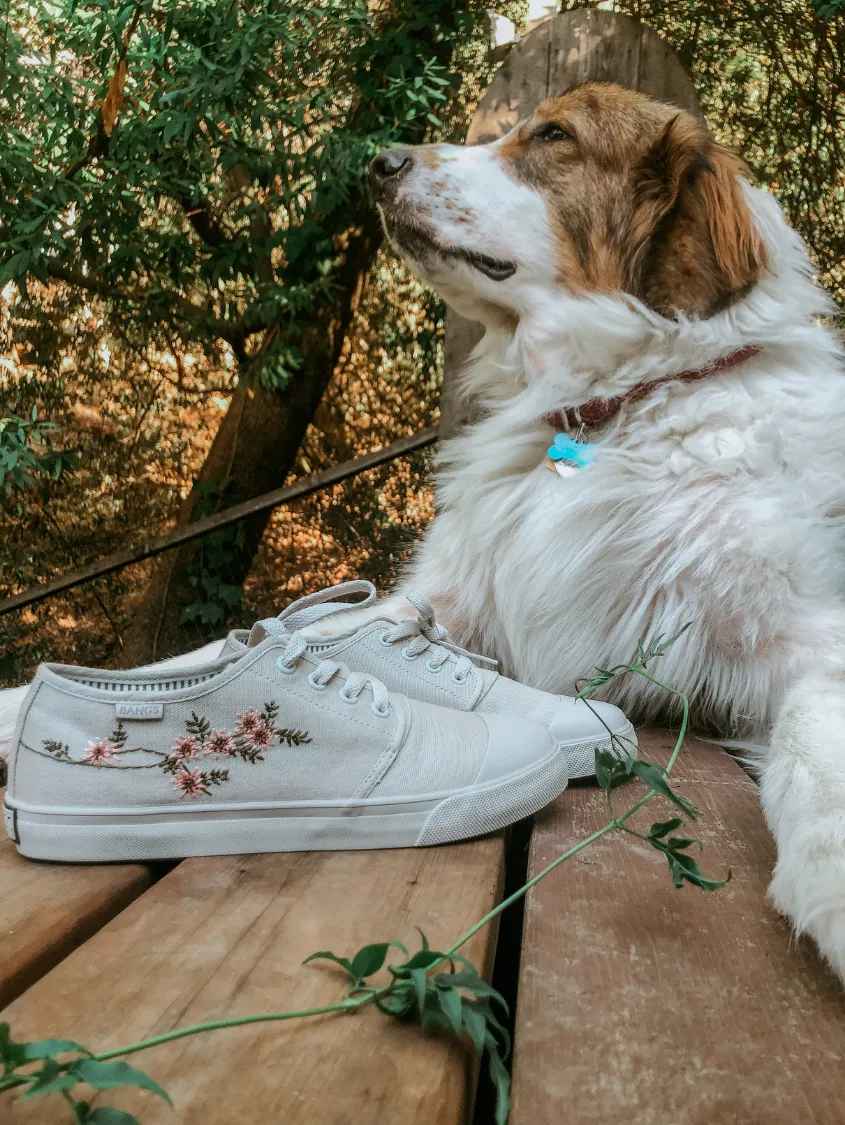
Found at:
<point>642,1004</point>
<point>226,936</point>
<point>578,46</point>
<point>47,910</point>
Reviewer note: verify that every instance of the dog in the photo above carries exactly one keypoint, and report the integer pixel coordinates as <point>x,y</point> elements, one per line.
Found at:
<point>629,279</point>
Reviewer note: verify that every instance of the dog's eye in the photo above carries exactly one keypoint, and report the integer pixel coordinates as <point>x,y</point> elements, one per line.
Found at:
<point>552,132</point>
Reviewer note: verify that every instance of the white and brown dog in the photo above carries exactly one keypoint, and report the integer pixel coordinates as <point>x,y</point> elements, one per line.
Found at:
<point>628,277</point>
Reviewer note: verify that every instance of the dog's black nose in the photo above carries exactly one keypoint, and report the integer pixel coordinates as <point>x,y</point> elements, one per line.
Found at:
<point>388,168</point>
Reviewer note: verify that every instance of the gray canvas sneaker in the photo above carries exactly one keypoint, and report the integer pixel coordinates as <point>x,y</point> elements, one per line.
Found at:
<point>418,658</point>
<point>275,749</point>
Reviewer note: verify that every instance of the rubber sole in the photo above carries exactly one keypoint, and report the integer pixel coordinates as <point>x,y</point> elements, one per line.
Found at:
<point>93,836</point>
<point>581,756</point>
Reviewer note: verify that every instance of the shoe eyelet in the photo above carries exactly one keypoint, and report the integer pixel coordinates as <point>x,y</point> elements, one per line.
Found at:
<point>288,669</point>
<point>380,714</point>
<point>316,686</point>
<point>457,679</point>
<point>407,655</point>
<point>432,667</point>
<point>382,640</point>
<point>350,699</point>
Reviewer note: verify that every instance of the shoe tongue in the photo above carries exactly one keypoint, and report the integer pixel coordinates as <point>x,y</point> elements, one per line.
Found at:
<point>323,644</point>
<point>261,630</point>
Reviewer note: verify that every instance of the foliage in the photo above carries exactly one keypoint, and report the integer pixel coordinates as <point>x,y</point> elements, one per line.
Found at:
<point>458,1001</point>
<point>199,164</point>
<point>20,464</point>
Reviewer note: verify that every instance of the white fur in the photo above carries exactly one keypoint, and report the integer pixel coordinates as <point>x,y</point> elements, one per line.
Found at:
<point>720,502</point>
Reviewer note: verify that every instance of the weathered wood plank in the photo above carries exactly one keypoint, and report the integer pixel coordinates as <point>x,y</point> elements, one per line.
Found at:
<point>47,910</point>
<point>226,936</point>
<point>650,1006</point>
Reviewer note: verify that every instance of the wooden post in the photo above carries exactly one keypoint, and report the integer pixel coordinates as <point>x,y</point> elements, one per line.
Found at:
<point>580,46</point>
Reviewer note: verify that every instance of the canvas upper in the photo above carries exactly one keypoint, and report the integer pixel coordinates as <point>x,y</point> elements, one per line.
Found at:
<point>417,657</point>
<point>273,727</point>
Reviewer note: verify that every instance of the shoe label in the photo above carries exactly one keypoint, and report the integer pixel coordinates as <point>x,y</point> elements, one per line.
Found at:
<point>139,710</point>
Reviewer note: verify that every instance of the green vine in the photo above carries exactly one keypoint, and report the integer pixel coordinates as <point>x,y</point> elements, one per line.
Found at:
<point>440,990</point>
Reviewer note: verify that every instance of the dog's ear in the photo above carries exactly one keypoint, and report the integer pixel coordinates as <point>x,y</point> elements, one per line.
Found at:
<point>696,248</point>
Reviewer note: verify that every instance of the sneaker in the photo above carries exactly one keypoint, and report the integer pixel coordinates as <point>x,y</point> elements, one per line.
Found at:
<point>418,657</point>
<point>274,750</point>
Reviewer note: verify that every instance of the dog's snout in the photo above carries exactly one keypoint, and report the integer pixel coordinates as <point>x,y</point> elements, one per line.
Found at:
<point>388,168</point>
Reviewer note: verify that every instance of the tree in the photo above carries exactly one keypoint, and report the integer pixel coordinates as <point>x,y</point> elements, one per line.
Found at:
<point>199,166</point>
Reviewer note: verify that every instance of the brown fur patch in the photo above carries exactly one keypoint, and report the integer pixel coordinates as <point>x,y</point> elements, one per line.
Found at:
<point>641,200</point>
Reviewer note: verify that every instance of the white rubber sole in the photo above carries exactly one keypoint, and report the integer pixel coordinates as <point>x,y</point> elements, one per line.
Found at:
<point>581,756</point>
<point>109,835</point>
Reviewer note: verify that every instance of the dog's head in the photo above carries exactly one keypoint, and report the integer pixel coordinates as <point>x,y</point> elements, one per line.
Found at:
<point>602,190</point>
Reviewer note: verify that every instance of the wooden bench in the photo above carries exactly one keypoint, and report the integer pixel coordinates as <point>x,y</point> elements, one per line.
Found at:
<point>636,1003</point>
<point>226,936</point>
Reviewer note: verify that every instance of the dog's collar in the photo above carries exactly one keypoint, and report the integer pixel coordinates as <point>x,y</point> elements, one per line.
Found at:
<point>599,410</point>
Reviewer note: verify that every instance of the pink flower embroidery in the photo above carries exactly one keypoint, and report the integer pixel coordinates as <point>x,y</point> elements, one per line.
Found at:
<point>98,751</point>
<point>190,783</point>
<point>263,735</point>
<point>219,742</point>
<point>185,748</point>
<point>248,723</point>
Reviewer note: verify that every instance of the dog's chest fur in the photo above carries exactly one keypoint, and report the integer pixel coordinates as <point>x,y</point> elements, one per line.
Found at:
<point>718,504</point>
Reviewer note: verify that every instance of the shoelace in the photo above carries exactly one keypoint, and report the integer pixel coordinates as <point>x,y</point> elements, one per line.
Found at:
<point>326,670</point>
<point>424,632</point>
<point>427,632</point>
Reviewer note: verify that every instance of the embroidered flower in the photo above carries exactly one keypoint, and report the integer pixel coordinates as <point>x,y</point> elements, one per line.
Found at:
<point>98,751</point>
<point>567,448</point>
<point>248,723</point>
<point>185,748</point>
<point>219,742</point>
<point>263,735</point>
<point>191,783</point>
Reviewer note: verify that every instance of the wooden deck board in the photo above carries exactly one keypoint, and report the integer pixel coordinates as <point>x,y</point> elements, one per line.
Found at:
<point>646,1005</point>
<point>226,936</point>
<point>47,910</point>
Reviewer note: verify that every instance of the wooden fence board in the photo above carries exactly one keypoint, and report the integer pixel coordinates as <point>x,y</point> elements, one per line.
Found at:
<point>642,1004</point>
<point>226,936</point>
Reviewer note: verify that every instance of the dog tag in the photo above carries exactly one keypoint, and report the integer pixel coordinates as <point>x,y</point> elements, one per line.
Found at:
<point>569,455</point>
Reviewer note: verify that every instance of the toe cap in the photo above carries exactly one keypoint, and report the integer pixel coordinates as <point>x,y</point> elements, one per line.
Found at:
<point>574,721</point>
<point>513,746</point>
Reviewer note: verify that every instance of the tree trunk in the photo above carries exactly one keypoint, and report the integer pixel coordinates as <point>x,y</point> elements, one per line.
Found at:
<point>253,452</point>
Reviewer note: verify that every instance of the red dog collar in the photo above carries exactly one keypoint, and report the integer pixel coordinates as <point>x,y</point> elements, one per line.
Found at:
<point>599,410</point>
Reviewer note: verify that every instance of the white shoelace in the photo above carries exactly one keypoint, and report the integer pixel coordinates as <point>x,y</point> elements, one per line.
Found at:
<point>426,632</point>
<point>326,670</point>
<point>423,633</point>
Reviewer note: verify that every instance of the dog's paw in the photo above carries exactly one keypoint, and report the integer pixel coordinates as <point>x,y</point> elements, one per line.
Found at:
<point>808,886</point>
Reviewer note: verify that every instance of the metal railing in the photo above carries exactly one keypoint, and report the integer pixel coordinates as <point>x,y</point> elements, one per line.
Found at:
<point>67,629</point>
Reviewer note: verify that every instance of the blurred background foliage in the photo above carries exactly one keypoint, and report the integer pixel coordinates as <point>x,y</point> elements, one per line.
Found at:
<point>194,298</point>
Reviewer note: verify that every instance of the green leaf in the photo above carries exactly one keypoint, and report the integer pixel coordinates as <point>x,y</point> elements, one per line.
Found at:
<point>663,828</point>
<point>48,1048</point>
<point>501,1082</point>
<point>476,1025</point>
<point>108,1115</point>
<point>369,960</point>
<point>51,1079</point>
<point>450,1004</point>
<point>108,1075</point>
<point>422,959</point>
<point>684,867</point>
<point>654,778</point>
<point>11,1054</point>
<point>612,769</point>
<point>326,955</point>
<point>420,984</point>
